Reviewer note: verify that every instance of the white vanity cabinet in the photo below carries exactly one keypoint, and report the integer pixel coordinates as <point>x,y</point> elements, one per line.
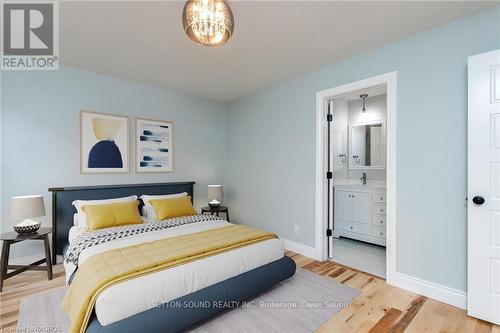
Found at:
<point>359,213</point>
<point>353,206</point>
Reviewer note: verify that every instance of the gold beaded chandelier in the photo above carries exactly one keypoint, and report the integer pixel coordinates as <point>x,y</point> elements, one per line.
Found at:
<point>208,22</point>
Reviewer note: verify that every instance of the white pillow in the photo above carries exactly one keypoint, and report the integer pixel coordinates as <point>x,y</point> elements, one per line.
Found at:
<point>74,232</point>
<point>82,219</point>
<point>148,211</point>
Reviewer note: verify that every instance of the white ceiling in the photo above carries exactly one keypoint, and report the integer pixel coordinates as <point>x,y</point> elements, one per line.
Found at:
<point>273,41</point>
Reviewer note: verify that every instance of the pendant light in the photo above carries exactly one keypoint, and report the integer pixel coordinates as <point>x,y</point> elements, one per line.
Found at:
<point>208,22</point>
<point>363,96</point>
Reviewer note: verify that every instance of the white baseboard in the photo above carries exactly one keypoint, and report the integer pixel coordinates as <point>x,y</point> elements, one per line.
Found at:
<point>432,290</point>
<point>305,250</point>
<point>413,284</point>
<point>26,260</point>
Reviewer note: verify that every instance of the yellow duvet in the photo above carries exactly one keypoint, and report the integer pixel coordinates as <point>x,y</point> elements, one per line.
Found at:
<point>114,266</point>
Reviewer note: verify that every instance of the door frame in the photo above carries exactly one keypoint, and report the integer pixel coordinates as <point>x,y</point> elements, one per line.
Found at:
<point>321,204</point>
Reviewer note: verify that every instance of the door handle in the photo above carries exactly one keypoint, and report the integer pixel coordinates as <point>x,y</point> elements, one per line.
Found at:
<point>478,200</point>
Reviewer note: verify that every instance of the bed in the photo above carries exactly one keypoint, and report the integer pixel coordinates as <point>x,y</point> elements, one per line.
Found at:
<point>173,299</point>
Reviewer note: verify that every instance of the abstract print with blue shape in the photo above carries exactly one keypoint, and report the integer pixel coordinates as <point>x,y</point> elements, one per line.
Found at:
<point>105,154</point>
<point>154,149</point>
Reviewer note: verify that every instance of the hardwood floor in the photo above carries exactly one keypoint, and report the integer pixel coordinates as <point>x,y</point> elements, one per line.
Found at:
<point>21,286</point>
<point>379,308</point>
<point>384,308</point>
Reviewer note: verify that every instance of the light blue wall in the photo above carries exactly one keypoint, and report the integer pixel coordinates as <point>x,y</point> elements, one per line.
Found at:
<point>270,141</point>
<point>40,128</point>
<point>271,146</point>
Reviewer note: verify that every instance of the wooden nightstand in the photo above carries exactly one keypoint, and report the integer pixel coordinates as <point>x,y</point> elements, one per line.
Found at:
<point>12,237</point>
<point>216,211</point>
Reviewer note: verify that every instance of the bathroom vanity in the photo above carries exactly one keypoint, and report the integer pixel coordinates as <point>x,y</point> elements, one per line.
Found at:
<point>360,210</point>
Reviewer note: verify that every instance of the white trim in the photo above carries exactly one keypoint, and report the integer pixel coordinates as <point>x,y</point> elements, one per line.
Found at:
<point>390,80</point>
<point>305,250</point>
<point>433,290</point>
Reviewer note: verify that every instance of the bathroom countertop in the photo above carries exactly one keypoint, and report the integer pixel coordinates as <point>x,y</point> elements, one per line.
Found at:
<point>356,184</point>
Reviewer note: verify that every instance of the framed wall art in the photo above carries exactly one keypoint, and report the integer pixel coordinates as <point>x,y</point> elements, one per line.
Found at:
<point>104,143</point>
<point>154,145</point>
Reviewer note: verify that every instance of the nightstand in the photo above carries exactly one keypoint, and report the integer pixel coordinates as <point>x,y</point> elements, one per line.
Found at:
<point>216,211</point>
<point>13,237</point>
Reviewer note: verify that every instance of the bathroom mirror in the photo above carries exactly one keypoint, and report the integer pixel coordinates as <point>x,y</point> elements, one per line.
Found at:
<point>367,145</point>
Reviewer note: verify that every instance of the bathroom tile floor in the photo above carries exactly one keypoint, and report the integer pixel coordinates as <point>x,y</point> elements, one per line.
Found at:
<point>366,257</point>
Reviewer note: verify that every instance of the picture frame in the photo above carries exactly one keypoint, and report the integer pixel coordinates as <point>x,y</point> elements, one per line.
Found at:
<point>104,143</point>
<point>154,146</point>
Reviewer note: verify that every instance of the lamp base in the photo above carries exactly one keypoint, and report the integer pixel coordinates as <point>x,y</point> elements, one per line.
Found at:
<point>214,206</point>
<point>28,226</point>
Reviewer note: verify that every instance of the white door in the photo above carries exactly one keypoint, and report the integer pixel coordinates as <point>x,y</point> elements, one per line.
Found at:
<point>343,206</point>
<point>330,189</point>
<point>484,187</point>
<point>361,207</point>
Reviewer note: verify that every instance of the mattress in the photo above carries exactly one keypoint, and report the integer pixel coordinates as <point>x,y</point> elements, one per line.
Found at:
<point>119,302</point>
<point>173,319</point>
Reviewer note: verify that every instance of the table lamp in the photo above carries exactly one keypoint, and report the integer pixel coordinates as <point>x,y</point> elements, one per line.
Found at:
<point>214,196</point>
<point>25,208</point>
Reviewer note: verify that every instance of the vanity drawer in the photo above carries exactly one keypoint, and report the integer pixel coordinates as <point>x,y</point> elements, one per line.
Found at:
<point>378,220</point>
<point>378,209</point>
<point>364,229</point>
<point>378,232</point>
<point>378,197</point>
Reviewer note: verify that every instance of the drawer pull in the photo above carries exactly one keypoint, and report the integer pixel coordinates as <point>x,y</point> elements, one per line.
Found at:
<point>351,228</point>
<point>378,197</point>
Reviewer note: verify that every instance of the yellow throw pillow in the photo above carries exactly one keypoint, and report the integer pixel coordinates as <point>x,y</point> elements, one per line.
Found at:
<point>172,207</point>
<point>112,215</point>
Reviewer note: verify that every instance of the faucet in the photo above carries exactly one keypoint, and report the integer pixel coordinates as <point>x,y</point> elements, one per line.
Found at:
<point>363,178</point>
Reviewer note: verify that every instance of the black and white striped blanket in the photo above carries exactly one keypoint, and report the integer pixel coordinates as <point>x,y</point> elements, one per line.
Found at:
<point>95,237</point>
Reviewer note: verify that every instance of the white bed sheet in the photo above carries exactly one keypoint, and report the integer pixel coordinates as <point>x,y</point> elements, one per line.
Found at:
<point>131,297</point>
<point>74,231</point>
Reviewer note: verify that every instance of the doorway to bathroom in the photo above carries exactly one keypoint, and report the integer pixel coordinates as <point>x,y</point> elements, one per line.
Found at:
<point>356,185</point>
<point>357,156</point>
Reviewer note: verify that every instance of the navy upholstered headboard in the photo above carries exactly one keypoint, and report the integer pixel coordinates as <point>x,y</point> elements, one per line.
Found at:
<point>63,210</point>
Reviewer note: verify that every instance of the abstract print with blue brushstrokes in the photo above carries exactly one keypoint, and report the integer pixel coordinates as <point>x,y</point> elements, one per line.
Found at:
<point>105,154</point>
<point>154,152</point>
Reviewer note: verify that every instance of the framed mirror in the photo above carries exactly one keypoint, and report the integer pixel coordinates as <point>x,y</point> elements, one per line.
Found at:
<point>367,145</point>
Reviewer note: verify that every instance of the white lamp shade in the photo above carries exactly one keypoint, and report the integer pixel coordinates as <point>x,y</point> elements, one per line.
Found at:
<point>27,207</point>
<point>214,193</point>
